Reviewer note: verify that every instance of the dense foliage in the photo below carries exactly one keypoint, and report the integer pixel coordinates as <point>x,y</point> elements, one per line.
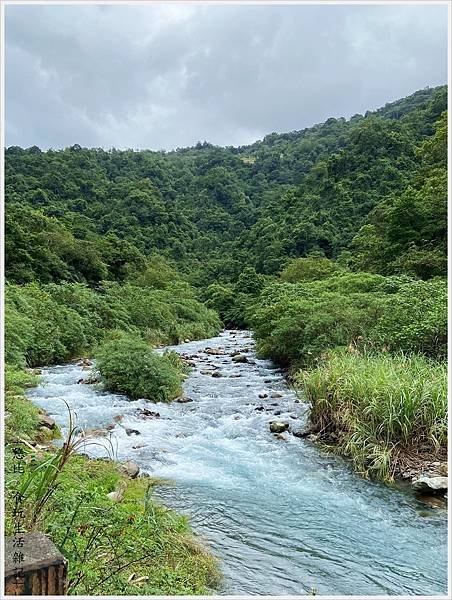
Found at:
<point>296,323</point>
<point>52,323</point>
<point>88,215</point>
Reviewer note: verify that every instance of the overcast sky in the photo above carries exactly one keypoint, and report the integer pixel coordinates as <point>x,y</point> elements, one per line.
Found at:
<point>163,76</point>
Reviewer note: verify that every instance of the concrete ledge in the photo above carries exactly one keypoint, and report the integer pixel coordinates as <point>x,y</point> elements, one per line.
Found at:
<point>34,566</point>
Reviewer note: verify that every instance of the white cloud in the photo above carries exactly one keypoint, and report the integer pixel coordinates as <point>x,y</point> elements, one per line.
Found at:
<point>161,76</point>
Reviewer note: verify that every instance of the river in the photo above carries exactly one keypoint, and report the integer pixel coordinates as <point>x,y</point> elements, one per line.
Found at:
<point>282,516</point>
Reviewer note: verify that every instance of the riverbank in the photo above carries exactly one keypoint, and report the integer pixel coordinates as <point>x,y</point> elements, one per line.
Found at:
<point>100,514</point>
<point>388,414</point>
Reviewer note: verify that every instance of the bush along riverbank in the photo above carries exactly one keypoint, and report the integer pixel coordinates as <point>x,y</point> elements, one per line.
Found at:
<point>368,352</point>
<point>100,514</point>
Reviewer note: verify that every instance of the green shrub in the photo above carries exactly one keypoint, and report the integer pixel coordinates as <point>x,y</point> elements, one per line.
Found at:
<point>296,323</point>
<point>414,319</point>
<point>376,402</point>
<point>129,365</point>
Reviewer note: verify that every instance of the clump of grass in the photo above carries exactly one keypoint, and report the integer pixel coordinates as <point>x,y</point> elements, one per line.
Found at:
<point>377,403</point>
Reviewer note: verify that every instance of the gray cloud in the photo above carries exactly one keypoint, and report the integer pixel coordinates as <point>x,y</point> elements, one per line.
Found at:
<point>162,76</point>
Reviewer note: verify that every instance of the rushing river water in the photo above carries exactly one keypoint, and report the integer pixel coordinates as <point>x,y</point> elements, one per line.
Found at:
<point>282,516</point>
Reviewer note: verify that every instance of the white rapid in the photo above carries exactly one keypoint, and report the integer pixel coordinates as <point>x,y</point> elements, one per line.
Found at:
<point>282,516</point>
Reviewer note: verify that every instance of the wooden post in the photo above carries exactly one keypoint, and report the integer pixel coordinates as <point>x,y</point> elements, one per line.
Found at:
<point>34,566</point>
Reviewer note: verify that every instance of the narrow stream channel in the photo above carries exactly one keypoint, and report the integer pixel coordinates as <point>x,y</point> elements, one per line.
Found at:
<point>282,516</point>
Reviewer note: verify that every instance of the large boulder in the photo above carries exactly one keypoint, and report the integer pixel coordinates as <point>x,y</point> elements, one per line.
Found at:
<point>278,426</point>
<point>130,468</point>
<point>427,484</point>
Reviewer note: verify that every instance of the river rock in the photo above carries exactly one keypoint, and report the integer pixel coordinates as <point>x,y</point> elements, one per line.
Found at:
<point>130,468</point>
<point>96,432</point>
<point>214,351</point>
<point>118,418</point>
<point>133,432</point>
<point>239,358</point>
<point>276,395</point>
<point>433,501</point>
<point>46,421</point>
<point>280,436</point>
<point>263,395</point>
<point>34,371</point>
<point>184,400</point>
<point>304,431</point>
<point>148,414</point>
<point>85,362</point>
<point>216,374</point>
<point>429,484</point>
<point>278,426</point>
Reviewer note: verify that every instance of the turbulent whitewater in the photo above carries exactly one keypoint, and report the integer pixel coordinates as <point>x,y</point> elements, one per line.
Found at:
<point>282,516</point>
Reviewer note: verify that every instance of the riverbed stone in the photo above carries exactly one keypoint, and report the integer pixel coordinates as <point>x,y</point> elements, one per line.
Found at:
<point>429,484</point>
<point>145,413</point>
<point>278,426</point>
<point>133,432</point>
<point>214,351</point>
<point>239,358</point>
<point>46,421</point>
<point>130,468</point>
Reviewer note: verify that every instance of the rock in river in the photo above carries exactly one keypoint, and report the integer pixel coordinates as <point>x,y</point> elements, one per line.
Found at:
<point>133,432</point>
<point>278,426</point>
<point>239,358</point>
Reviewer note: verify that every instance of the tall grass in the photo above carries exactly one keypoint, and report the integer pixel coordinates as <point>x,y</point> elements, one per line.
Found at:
<point>40,480</point>
<point>377,403</point>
